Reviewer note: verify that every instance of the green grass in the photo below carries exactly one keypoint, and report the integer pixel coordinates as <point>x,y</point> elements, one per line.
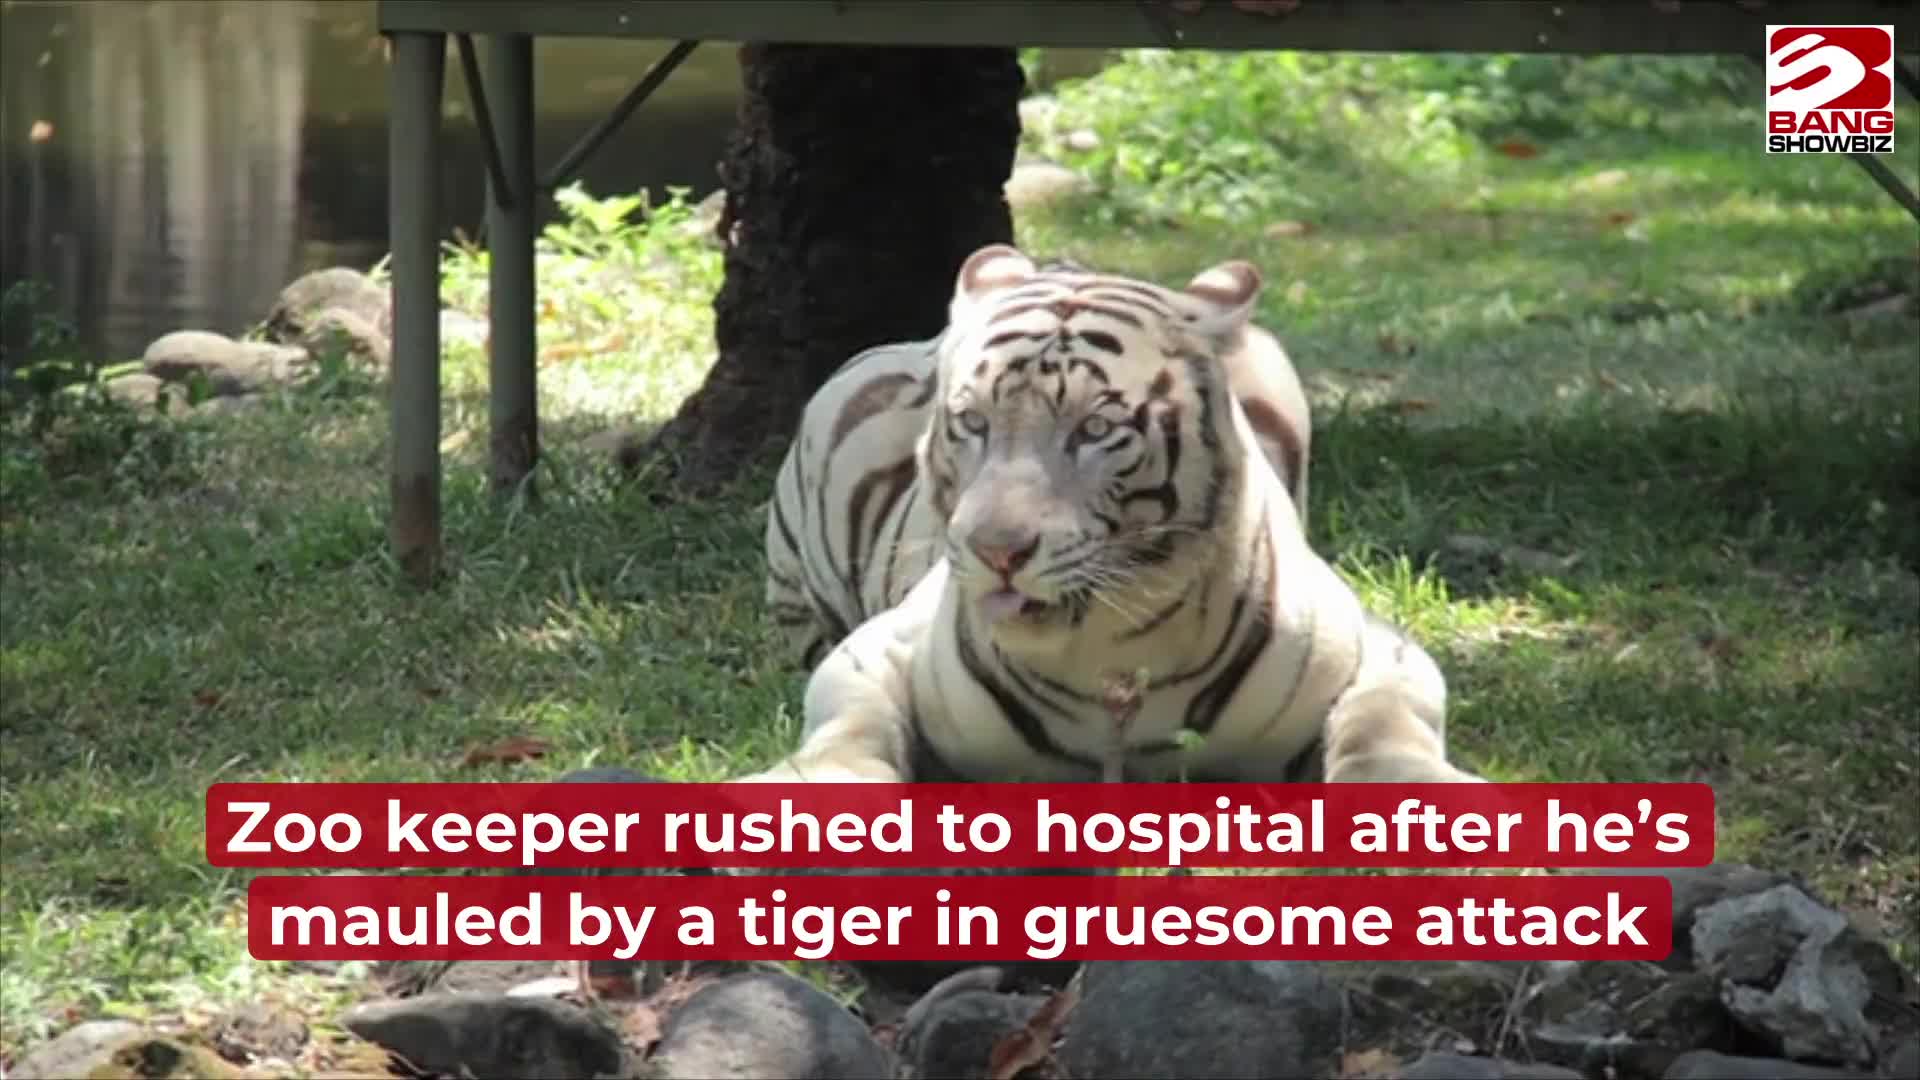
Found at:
<point>1628,371</point>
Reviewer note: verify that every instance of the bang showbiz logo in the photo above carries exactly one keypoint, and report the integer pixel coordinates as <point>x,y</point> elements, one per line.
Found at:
<point>1829,89</point>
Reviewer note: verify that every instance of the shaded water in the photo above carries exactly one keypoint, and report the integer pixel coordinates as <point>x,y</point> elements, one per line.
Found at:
<point>173,163</point>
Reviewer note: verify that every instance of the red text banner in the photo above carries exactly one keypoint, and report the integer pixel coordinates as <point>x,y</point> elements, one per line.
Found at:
<point>898,826</point>
<point>985,919</point>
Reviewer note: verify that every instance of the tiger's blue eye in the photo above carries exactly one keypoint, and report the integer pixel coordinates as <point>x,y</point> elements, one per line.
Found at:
<point>973,421</point>
<point>1096,427</point>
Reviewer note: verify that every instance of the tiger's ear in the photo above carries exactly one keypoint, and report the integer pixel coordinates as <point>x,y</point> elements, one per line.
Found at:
<point>993,267</point>
<point>1224,295</point>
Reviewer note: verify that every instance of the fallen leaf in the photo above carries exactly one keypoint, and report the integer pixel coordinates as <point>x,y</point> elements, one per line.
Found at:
<point>41,131</point>
<point>506,752</point>
<point>551,986</point>
<point>1022,1049</point>
<point>1525,559</point>
<point>1361,373</point>
<point>615,986</point>
<point>1280,230</point>
<point>1619,217</point>
<point>1517,148</point>
<point>1720,647</point>
<point>1602,180</point>
<point>1395,345</point>
<point>206,699</point>
<point>641,1026</point>
<point>1410,406</point>
<point>1368,1065</point>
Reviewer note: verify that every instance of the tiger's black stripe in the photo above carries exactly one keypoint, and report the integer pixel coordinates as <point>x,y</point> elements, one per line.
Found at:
<point>1024,721</point>
<point>894,481</point>
<point>1203,711</point>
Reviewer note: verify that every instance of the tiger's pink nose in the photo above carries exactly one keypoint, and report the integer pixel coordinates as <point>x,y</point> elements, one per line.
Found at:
<point>1005,551</point>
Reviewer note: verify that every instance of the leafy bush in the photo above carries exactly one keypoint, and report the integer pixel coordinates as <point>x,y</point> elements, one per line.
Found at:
<point>605,266</point>
<point>58,423</point>
<point>1225,136</point>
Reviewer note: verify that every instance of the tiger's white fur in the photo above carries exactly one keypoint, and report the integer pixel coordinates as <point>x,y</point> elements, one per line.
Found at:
<point>849,531</point>
<point>1085,476</point>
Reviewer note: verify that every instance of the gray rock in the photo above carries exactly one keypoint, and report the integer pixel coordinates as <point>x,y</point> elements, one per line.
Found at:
<point>1890,1011</point>
<point>348,334</point>
<point>641,977</point>
<point>138,389</point>
<point>952,1030</point>
<point>335,288</point>
<point>1696,887</point>
<point>229,367</point>
<point>1786,975</point>
<point>765,1025</point>
<point>228,406</point>
<point>1630,1017</point>
<point>1903,1060</point>
<point>1405,1006</point>
<point>255,1032</point>
<point>77,1051</point>
<point>1708,1065</point>
<point>1041,183</point>
<point>157,1057</point>
<point>1184,1020</point>
<point>1684,1013</point>
<point>1583,1046</point>
<point>916,976</point>
<point>1451,1067</point>
<point>1574,1015</point>
<point>1081,140</point>
<point>172,357</point>
<point>1442,1066</point>
<point>489,1035</point>
<point>958,1039</point>
<point>407,978</point>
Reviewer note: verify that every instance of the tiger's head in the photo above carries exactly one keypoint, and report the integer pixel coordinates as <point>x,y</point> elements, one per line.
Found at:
<point>1083,447</point>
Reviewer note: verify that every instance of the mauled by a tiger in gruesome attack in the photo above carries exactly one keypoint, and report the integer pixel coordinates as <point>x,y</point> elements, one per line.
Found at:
<point>1084,477</point>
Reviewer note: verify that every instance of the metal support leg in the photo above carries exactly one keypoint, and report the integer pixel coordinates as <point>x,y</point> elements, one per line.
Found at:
<point>413,226</point>
<point>515,441</point>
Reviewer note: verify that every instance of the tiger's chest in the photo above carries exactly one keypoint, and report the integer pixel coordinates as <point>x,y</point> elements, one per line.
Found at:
<point>1250,709</point>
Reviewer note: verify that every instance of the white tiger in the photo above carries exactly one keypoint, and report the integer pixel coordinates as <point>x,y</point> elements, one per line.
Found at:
<point>1085,476</point>
<point>827,572</point>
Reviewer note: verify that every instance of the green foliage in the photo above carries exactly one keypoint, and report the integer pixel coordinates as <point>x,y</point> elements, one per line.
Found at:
<point>1225,136</point>
<point>612,274</point>
<point>60,426</point>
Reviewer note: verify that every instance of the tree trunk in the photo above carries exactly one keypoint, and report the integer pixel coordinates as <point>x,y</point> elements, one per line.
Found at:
<point>857,179</point>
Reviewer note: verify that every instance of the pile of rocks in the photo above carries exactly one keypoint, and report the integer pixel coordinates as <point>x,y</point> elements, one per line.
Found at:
<point>336,312</point>
<point>1765,981</point>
